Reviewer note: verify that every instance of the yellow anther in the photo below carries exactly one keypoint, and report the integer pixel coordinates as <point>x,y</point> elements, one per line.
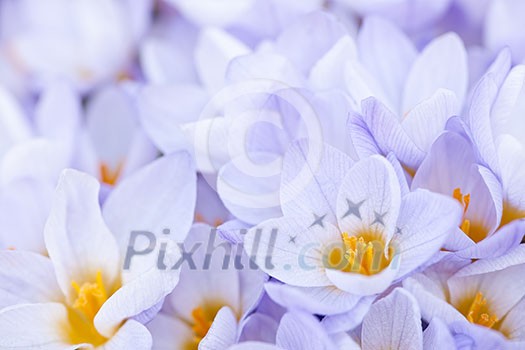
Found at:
<point>478,312</point>
<point>110,176</point>
<point>475,230</point>
<point>82,311</point>
<point>364,254</point>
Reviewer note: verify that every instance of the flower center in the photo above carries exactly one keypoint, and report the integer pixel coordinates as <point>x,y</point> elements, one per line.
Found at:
<point>90,298</point>
<point>479,313</point>
<point>108,175</point>
<point>364,254</point>
<point>510,213</point>
<point>202,319</point>
<point>474,230</point>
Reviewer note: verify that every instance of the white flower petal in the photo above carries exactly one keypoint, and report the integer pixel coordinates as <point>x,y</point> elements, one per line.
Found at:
<point>77,239</point>
<point>27,277</point>
<point>34,326</point>
<point>161,196</point>
<point>310,190</point>
<point>289,250</point>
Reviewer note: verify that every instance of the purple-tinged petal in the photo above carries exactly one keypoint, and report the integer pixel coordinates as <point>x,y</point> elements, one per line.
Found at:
<point>223,332</point>
<point>389,134</point>
<point>302,331</point>
<point>388,54</point>
<point>317,300</point>
<point>437,336</point>
<point>442,64</point>
<point>425,221</point>
<point>393,322</point>
<point>259,327</point>
<point>305,41</point>
<point>348,320</point>
<point>428,119</point>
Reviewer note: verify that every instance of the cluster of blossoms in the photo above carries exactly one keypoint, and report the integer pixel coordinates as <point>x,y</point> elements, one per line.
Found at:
<point>262,174</point>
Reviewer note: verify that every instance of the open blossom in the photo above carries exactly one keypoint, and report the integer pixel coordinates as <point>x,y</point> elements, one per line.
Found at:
<point>404,99</point>
<point>81,295</point>
<point>347,232</point>
<point>482,301</point>
<point>208,307</point>
<point>452,168</point>
<point>493,123</point>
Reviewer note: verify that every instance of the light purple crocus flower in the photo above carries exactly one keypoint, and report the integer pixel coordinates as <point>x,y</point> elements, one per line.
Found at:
<point>113,111</point>
<point>40,45</point>
<point>493,123</point>
<point>451,167</point>
<point>262,102</point>
<point>208,307</point>
<point>482,301</point>
<point>83,295</point>
<point>347,231</point>
<point>405,98</point>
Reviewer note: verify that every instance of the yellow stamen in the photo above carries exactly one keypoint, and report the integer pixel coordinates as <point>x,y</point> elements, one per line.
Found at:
<point>90,298</point>
<point>475,230</point>
<point>464,200</point>
<point>202,319</point>
<point>201,219</point>
<point>364,254</point>
<point>478,312</point>
<point>110,176</point>
<point>201,324</point>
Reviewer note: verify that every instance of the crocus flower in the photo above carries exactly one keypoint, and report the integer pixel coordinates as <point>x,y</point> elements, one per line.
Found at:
<point>82,295</point>
<point>494,129</point>
<point>347,232</point>
<point>209,305</point>
<point>41,46</point>
<point>262,103</point>
<point>451,168</point>
<point>111,111</point>
<point>414,94</point>
<point>482,301</point>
